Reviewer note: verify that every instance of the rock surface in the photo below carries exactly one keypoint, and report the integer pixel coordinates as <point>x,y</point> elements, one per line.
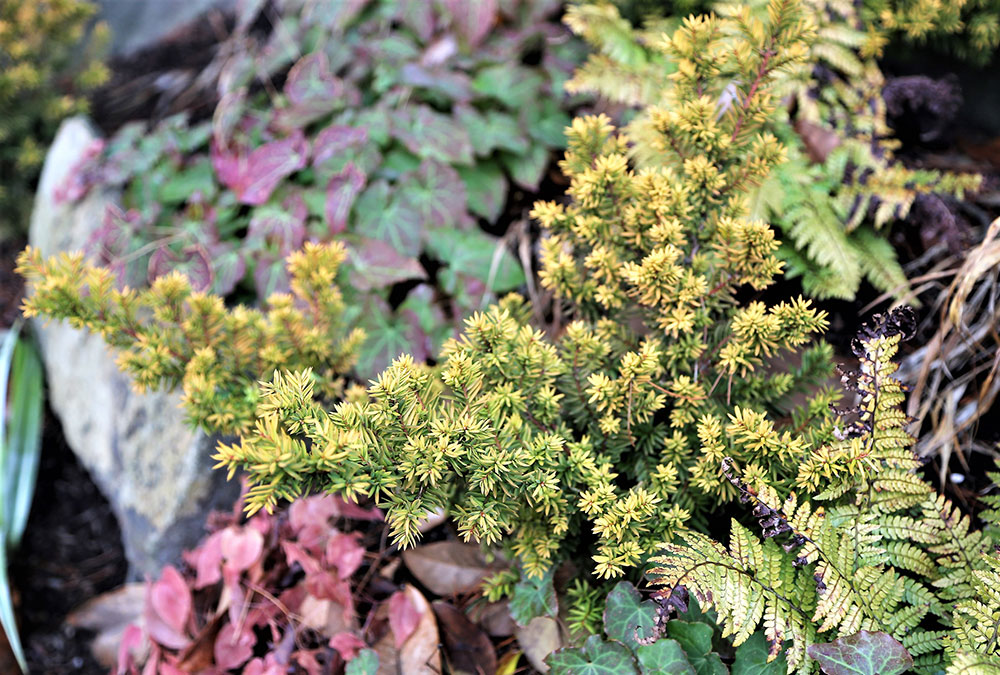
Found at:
<point>136,25</point>
<point>154,470</point>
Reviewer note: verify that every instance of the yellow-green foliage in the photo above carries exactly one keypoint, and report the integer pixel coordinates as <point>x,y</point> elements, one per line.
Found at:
<point>169,335</point>
<point>546,444</point>
<point>867,545</point>
<point>829,207</point>
<point>43,73</point>
<point>969,28</point>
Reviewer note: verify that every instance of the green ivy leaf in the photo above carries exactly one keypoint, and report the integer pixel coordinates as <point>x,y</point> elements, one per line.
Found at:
<point>492,130</point>
<point>431,135</point>
<point>626,615</point>
<point>863,653</point>
<point>382,215</point>
<point>197,178</point>
<point>512,85</point>
<point>663,657</point>
<point>596,657</point>
<point>751,658</point>
<point>527,169</point>
<point>533,597</point>
<point>365,663</point>
<point>486,187</point>
<point>436,194</point>
<point>696,641</point>
<point>473,253</point>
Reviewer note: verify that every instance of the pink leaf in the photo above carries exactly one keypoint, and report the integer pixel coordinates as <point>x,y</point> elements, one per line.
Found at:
<point>403,617</point>
<point>131,642</point>
<point>347,645</point>
<point>233,649</point>
<point>335,140</point>
<point>473,18</point>
<point>344,553</point>
<point>207,561</point>
<point>296,554</point>
<point>168,606</point>
<point>353,511</point>
<point>241,547</point>
<point>254,176</point>
<point>341,192</point>
<point>311,510</point>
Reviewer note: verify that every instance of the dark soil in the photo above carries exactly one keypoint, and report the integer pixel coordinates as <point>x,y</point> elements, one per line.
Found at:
<point>11,284</point>
<point>71,552</point>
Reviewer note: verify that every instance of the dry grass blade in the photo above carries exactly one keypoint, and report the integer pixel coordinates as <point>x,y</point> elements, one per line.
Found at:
<point>962,357</point>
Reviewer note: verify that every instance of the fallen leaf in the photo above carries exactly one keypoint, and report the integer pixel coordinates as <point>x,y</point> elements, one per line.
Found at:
<point>419,654</point>
<point>495,618</point>
<point>403,616</point>
<point>324,616</point>
<point>347,645</point>
<point>449,568</point>
<point>241,547</point>
<point>233,648</point>
<point>168,606</point>
<point>469,648</point>
<point>508,664</point>
<point>344,553</point>
<point>538,639</point>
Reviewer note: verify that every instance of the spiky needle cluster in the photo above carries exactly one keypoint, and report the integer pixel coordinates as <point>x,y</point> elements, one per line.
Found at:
<point>543,444</point>
<point>169,334</point>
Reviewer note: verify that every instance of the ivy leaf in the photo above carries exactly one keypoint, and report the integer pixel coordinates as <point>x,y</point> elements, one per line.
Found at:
<point>277,226</point>
<point>596,657</point>
<point>365,663</point>
<point>663,657</point>
<point>527,169</point>
<point>533,597</point>
<point>335,140</point>
<point>514,86</point>
<point>418,16</point>
<point>381,215</point>
<point>436,194</point>
<point>627,616</point>
<point>197,179</point>
<point>696,641</point>
<point>377,264</point>
<point>486,187</point>
<point>432,135</point>
<point>253,176</point>
<point>863,653</point>
<point>313,91</point>
<point>476,254</point>
<point>491,130</point>
<point>472,19</point>
<point>751,658</point>
<point>341,191</point>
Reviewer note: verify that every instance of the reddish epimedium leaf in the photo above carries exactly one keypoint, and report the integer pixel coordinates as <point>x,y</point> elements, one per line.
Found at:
<point>418,16</point>
<point>347,645</point>
<point>335,140</point>
<point>313,91</point>
<point>344,553</point>
<point>83,175</point>
<point>341,192</point>
<point>473,19</point>
<point>377,264</point>
<point>403,616</point>
<point>233,647</point>
<point>278,226</point>
<point>254,175</point>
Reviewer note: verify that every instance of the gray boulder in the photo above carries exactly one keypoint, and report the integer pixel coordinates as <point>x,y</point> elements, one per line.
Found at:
<point>153,468</point>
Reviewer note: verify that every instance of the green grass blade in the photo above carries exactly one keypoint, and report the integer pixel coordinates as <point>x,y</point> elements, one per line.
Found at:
<point>20,450</point>
<point>25,436</point>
